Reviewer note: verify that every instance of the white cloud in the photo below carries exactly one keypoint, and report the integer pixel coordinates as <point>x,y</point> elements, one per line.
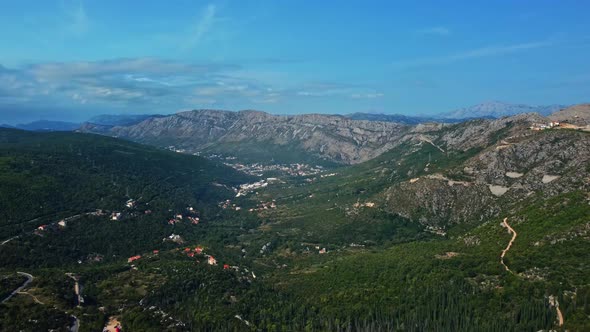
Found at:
<point>156,84</point>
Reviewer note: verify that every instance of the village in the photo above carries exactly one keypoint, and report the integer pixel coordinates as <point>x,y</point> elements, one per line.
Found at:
<point>558,125</point>
<point>256,169</point>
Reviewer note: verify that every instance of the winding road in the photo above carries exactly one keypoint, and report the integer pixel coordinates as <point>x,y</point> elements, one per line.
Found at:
<point>8,240</point>
<point>555,303</point>
<point>514,234</point>
<point>18,290</point>
<point>552,300</point>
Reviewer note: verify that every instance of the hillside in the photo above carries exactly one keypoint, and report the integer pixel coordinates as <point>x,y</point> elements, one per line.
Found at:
<point>399,224</point>
<point>327,140</point>
<point>409,240</point>
<point>47,176</point>
<point>120,119</point>
<point>314,138</point>
<point>578,115</point>
<point>398,118</point>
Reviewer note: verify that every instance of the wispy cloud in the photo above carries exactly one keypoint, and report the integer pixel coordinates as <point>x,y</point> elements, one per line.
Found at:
<point>201,28</point>
<point>338,90</point>
<point>436,31</point>
<point>488,51</point>
<point>76,20</point>
<point>153,84</point>
<point>132,82</point>
<point>371,95</point>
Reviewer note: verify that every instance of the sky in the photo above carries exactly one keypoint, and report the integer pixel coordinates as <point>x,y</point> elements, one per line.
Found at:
<point>72,59</point>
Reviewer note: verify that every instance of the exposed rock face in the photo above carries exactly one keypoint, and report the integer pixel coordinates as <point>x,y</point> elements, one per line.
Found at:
<point>335,138</point>
<point>577,115</point>
<point>435,202</point>
<point>505,161</point>
<point>546,163</point>
<point>555,153</point>
<point>481,133</point>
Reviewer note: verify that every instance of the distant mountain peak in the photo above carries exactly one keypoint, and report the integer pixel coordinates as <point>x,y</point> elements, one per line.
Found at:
<point>498,109</point>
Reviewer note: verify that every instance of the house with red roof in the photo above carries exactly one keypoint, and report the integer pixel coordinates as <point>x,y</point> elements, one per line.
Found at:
<point>133,258</point>
<point>212,260</point>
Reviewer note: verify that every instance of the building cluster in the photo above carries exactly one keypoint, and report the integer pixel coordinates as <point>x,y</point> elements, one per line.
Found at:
<point>175,149</point>
<point>436,230</point>
<point>245,188</point>
<point>543,126</point>
<point>366,204</point>
<point>264,206</point>
<point>191,215</point>
<point>258,169</point>
<point>62,223</point>
<point>265,248</point>
<point>320,250</point>
<point>328,175</point>
<point>227,204</point>
<point>133,258</point>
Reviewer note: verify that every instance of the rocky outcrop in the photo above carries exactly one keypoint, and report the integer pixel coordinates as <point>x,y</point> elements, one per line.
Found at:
<point>526,163</point>
<point>578,115</point>
<point>335,138</point>
<point>329,137</point>
<point>437,202</point>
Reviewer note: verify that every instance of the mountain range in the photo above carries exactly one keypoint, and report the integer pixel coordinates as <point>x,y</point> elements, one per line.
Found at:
<point>478,225</point>
<point>250,135</point>
<point>487,110</point>
<point>496,109</point>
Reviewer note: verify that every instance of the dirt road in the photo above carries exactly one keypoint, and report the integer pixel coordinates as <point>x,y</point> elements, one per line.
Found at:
<point>514,234</point>
<point>113,322</point>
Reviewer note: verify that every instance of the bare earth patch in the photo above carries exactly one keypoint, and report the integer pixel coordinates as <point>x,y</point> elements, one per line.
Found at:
<point>113,322</point>
<point>447,255</point>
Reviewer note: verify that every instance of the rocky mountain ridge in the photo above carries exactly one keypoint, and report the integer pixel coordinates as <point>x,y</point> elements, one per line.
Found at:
<point>331,138</point>
<point>499,176</point>
<point>335,138</point>
<point>497,109</point>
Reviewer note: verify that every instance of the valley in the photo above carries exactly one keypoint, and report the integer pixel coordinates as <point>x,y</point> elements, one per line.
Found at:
<point>406,231</point>
<point>294,166</point>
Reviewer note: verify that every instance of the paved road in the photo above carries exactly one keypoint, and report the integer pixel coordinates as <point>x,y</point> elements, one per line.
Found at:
<point>25,284</point>
<point>76,325</point>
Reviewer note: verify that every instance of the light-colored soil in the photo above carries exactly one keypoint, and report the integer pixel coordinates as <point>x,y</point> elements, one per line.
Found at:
<point>514,234</point>
<point>514,175</point>
<point>447,255</point>
<point>549,178</point>
<point>113,322</point>
<point>498,190</point>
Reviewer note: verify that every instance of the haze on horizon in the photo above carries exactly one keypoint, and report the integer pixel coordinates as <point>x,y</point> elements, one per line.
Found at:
<point>70,60</point>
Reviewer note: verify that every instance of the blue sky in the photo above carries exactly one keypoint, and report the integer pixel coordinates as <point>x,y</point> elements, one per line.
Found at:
<point>70,60</point>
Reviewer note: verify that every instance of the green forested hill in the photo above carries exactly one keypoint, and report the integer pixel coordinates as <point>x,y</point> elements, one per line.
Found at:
<point>48,176</point>
<point>383,269</point>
